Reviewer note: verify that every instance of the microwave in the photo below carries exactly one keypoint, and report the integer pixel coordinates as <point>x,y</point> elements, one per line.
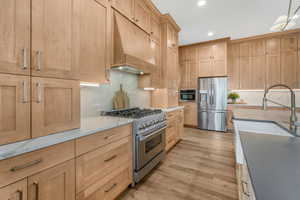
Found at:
<point>187,95</point>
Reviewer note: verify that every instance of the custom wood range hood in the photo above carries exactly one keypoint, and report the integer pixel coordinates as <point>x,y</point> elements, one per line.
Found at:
<point>131,47</point>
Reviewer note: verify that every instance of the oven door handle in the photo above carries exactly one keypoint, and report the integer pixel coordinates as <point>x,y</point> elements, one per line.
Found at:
<point>142,138</point>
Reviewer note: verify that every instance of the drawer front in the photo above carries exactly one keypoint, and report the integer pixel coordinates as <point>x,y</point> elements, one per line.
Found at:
<point>95,165</point>
<point>14,169</point>
<point>89,143</point>
<point>15,191</point>
<point>172,115</point>
<point>109,187</point>
<point>171,134</point>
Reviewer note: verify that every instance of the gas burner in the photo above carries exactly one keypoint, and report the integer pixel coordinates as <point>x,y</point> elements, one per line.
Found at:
<point>134,113</point>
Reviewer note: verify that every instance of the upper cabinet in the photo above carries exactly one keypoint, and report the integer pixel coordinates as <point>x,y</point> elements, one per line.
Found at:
<point>15,108</point>
<point>125,7</point>
<point>53,41</point>
<point>142,15</point>
<point>212,59</point>
<point>155,30</point>
<point>15,37</point>
<point>289,42</point>
<point>95,38</point>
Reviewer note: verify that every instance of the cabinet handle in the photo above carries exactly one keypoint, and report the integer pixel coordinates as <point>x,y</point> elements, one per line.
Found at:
<point>38,60</point>
<point>25,95</point>
<point>30,164</point>
<point>112,187</point>
<point>20,194</point>
<point>39,92</point>
<point>24,65</point>
<point>136,20</point>
<point>36,185</point>
<point>111,158</point>
<point>244,186</point>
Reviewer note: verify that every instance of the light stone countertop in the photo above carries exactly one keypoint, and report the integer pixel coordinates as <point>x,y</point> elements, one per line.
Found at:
<point>172,108</point>
<point>280,117</point>
<point>89,126</point>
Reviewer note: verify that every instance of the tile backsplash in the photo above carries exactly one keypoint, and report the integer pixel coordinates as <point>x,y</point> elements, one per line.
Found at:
<point>96,99</point>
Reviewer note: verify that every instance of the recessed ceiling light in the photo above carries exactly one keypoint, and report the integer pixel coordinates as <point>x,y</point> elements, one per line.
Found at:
<point>201,3</point>
<point>210,34</point>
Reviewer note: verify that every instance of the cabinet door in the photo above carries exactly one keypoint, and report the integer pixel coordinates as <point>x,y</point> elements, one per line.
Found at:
<point>258,66</point>
<point>234,72</point>
<point>172,98</point>
<point>15,37</point>
<point>289,42</point>
<point>298,72</point>
<point>94,53</point>
<point>190,114</point>
<point>173,69</point>
<point>155,30</point>
<point>273,46</point>
<point>205,68</point>
<point>14,108</point>
<point>193,75</point>
<point>125,7</point>
<point>289,68</point>
<point>219,51</point>
<point>205,52</point>
<point>245,73</point>
<point>258,48</point>
<point>219,68</point>
<point>55,183</point>
<point>53,41</point>
<point>273,69</point>
<point>245,49</point>
<point>171,43</point>
<point>184,75</point>
<point>142,15</point>
<point>15,191</point>
<point>55,106</point>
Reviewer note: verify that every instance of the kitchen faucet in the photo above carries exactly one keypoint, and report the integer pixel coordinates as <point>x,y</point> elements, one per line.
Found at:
<point>294,124</point>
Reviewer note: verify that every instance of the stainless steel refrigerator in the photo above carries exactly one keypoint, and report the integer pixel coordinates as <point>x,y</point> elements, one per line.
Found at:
<point>212,103</point>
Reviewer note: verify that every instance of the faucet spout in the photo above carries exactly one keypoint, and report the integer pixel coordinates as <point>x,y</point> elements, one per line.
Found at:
<point>293,118</point>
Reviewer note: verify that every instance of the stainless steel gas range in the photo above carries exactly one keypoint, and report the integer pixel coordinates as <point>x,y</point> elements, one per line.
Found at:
<point>149,129</point>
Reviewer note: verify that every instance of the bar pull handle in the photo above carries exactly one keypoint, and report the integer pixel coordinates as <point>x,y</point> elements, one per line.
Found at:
<point>111,158</point>
<point>112,187</point>
<point>39,92</point>
<point>24,53</point>
<point>25,94</point>
<point>20,194</point>
<point>38,60</point>
<point>30,164</point>
<point>245,188</point>
<point>36,185</point>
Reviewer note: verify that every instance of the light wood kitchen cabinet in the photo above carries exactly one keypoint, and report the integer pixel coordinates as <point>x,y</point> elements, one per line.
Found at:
<point>15,37</point>
<point>234,72</point>
<point>126,7</point>
<point>273,69</point>
<point>95,38</point>
<point>142,15</point>
<point>190,113</point>
<point>15,191</point>
<point>245,49</point>
<point>55,183</point>
<point>273,46</point>
<point>55,106</point>
<point>174,131</point>
<point>289,42</point>
<point>15,108</point>
<point>245,73</point>
<point>298,71</point>
<point>258,48</point>
<point>155,30</point>
<point>212,59</point>
<point>189,75</point>
<point>53,40</point>
<point>289,68</point>
<point>95,165</point>
<point>258,71</point>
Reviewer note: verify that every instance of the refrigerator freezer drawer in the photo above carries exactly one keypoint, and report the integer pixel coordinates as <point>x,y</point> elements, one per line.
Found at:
<point>212,120</point>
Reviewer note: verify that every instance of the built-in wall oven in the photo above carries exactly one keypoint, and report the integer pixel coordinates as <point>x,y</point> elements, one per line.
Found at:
<point>187,95</point>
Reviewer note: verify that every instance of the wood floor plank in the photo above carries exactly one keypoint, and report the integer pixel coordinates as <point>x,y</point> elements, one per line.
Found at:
<point>200,167</point>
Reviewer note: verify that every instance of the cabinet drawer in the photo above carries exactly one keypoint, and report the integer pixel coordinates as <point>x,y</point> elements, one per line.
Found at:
<point>15,191</point>
<point>14,169</point>
<point>89,143</point>
<point>171,134</point>
<point>172,115</point>
<point>109,187</point>
<point>95,165</point>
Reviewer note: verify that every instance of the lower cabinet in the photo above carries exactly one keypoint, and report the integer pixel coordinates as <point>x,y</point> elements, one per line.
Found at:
<point>15,191</point>
<point>190,113</point>
<point>174,131</point>
<point>55,183</point>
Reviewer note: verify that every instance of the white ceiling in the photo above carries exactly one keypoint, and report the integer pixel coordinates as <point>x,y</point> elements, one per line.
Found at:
<point>226,18</point>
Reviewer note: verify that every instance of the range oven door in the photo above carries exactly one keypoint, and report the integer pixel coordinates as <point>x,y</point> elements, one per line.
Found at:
<point>150,146</point>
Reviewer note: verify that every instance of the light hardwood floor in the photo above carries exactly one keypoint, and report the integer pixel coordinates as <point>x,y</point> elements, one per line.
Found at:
<point>200,167</point>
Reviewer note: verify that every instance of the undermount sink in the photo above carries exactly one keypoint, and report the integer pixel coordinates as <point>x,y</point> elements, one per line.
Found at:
<point>260,127</point>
